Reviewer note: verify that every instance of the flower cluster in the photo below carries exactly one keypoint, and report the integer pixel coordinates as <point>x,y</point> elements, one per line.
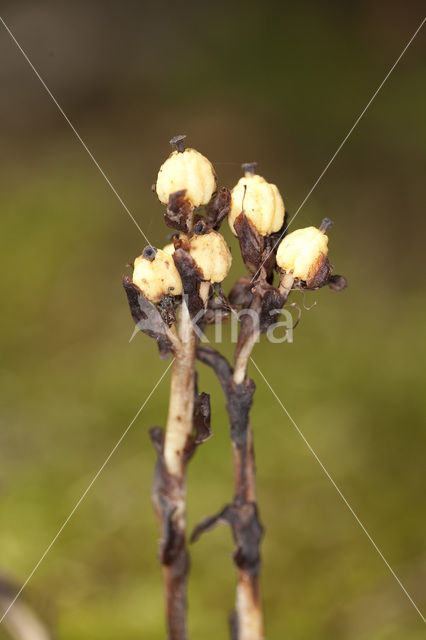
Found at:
<point>182,283</point>
<point>195,208</point>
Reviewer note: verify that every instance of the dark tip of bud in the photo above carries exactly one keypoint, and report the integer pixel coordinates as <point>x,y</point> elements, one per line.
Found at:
<point>149,253</point>
<point>326,224</point>
<point>200,227</point>
<point>179,143</point>
<point>249,167</point>
<point>337,283</point>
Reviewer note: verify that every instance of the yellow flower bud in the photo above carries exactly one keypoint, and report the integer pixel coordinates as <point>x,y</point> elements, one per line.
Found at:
<point>190,170</point>
<point>156,275</point>
<point>211,255</point>
<point>303,252</point>
<point>261,201</point>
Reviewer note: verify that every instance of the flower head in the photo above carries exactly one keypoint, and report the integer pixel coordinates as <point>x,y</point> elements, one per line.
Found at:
<point>303,252</point>
<point>211,255</point>
<point>261,202</point>
<point>155,274</point>
<point>186,170</point>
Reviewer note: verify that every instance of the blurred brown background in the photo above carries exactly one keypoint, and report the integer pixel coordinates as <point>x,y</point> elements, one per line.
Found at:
<point>281,83</point>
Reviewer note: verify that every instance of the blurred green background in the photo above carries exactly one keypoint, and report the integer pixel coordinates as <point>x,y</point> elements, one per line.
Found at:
<point>281,83</point>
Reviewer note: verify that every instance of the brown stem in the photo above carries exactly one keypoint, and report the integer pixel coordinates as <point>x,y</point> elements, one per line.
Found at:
<point>169,490</point>
<point>242,515</point>
<point>249,616</point>
<point>248,600</point>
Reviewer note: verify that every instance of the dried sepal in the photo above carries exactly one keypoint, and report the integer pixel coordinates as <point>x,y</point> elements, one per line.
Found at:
<point>320,274</point>
<point>241,294</point>
<point>202,414</point>
<point>148,318</point>
<point>179,211</point>
<point>251,242</point>
<point>323,278</point>
<point>164,494</point>
<point>272,301</point>
<point>190,276</point>
<point>256,250</point>
<point>219,208</point>
<point>218,307</point>
<point>201,422</point>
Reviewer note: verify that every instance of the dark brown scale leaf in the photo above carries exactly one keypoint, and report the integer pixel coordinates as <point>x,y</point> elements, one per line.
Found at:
<point>321,274</point>
<point>219,208</point>
<point>201,422</point>
<point>179,211</point>
<point>164,494</point>
<point>322,278</point>
<point>191,277</point>
<point>239,398</point>
<point>202,418</point>
<point>272,303</point>
<point>238,404</point>
<point>241,294</point>
<point>242,517</point>
<point>218,307</point>
<point>251,242</point>
<point>147,317</point>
